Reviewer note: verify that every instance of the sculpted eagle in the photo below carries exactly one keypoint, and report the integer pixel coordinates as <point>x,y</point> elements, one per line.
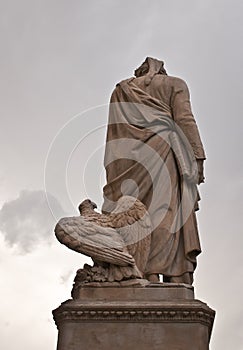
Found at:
<point>118,243</point>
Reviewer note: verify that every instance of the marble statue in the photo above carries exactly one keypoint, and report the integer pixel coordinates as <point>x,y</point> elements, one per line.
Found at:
<point>154,162</point>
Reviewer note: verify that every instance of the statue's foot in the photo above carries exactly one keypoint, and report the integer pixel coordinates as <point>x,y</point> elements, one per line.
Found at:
<point>153,277</point>
<point>185,278</point>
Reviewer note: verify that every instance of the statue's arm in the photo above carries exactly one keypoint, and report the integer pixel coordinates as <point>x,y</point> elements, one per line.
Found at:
<point>182,115</point>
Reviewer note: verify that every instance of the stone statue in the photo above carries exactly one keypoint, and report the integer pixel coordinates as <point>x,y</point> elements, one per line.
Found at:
<point>147,227</point>
<point>160,162</point>
<point>154,162</point>
<point>119,242</point>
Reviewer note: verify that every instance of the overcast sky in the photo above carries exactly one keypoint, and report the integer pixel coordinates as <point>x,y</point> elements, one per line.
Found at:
<point>59,62</point>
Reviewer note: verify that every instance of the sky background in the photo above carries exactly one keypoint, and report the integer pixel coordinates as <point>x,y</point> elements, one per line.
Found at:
<point>59,62</point>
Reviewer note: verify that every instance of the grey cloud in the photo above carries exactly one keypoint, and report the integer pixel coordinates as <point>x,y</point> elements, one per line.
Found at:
<point>27,221</point>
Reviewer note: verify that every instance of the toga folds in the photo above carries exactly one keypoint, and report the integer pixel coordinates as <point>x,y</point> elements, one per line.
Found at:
<point>141,161</point>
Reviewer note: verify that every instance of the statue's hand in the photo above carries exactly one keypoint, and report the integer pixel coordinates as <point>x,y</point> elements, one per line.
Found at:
<point>200,171</point>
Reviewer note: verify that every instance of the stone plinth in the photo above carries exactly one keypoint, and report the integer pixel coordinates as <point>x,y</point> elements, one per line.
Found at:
<point>158,317</point>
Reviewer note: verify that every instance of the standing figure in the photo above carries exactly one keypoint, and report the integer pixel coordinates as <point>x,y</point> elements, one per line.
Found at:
<point>154,152</point>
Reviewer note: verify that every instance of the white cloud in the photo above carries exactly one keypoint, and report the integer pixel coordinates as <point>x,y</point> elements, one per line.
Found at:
<point>26,222</point>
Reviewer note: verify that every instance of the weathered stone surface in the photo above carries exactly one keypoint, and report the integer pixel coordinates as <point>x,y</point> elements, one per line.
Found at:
<point>154,153</point>
<point>79,288</point>
<point>155,317</point>
<point>118,242</point>
<point>151,292</point>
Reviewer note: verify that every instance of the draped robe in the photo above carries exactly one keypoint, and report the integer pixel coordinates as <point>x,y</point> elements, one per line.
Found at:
<point>138,148</point>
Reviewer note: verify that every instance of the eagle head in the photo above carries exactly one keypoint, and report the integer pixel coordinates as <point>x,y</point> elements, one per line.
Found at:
<point>87,204</point>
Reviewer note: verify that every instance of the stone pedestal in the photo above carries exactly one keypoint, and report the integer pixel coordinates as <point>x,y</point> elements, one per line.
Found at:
<point>161,316</point>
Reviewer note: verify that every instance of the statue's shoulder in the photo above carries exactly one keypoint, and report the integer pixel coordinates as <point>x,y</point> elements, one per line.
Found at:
<point>125,81</point>
<point>170,83</point>
<point>171,80</point>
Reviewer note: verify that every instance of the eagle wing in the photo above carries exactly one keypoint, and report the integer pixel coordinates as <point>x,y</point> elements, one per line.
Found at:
<point>100,243</point>
<point>134,226</point>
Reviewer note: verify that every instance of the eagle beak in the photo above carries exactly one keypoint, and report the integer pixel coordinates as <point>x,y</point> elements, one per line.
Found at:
<point>94,205</point>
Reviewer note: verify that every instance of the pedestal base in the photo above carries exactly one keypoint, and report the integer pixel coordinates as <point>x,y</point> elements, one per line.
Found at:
<point>157,317</point>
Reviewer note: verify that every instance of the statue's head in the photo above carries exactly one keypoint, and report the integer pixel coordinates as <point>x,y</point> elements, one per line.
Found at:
<point>150,67</point>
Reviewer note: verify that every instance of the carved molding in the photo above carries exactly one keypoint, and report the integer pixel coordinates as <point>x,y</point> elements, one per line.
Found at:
<point>200,313</point>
